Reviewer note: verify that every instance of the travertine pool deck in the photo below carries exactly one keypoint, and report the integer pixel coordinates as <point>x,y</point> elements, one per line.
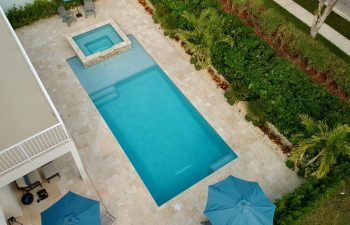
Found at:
<point>112,173</point>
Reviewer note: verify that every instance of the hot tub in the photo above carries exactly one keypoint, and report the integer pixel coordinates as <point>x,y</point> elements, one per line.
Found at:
<point>99,42</point>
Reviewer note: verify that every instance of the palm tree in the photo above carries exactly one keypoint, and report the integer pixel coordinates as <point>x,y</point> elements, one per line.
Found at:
<point>207,30</point>
<point>323,147</point>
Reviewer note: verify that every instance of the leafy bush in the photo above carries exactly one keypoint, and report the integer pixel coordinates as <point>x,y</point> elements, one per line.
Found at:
<point>32,12</point>
<point>236,92</point>
<point>273,23</point>
<point>270,21</point>
<point>293,206</point>
<point>301,172</point>
<point>284,89</point>
<point>256,112</point>
<point>290,164</point>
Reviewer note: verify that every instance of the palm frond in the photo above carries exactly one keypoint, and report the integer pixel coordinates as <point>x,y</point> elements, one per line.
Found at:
<point>326,161</point>
<point>301,150</point>
<point>206,31</point>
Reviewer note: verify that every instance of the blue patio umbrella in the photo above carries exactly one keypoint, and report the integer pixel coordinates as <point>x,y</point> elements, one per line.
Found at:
<point>233,201</point>
<point>72,209</point>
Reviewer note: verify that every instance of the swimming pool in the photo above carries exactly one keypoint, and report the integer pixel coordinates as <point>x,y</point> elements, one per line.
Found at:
<point>169,143</point>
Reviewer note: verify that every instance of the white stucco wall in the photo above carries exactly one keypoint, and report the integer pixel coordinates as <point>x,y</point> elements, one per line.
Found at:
<point>7,4</point>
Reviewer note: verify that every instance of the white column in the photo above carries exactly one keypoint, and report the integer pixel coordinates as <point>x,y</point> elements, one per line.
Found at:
<point>79,163</point>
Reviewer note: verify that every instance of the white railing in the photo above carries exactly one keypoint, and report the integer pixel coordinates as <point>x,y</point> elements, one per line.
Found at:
<point>31,147</point>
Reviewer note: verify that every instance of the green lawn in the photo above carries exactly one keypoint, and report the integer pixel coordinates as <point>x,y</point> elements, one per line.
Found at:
<point>337,22</point>
<point>302,26</point>
<point>333,210</point>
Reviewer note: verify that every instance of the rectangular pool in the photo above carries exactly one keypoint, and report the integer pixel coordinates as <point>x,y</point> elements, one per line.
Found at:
<point>169,143</point>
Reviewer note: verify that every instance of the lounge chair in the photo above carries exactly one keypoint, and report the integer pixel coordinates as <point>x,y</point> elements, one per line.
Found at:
<point>66,15</point>
<point>29,181</point>
<point>89,8</point>
<point>50,171</point>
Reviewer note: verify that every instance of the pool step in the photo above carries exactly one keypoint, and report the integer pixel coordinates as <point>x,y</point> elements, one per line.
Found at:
<point>106,98</point>
<point>100,94</point>
<point>222,162</point>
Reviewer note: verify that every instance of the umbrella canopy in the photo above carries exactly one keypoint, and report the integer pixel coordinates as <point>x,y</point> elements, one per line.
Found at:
<point>72,209</point>
<point>238,202</point>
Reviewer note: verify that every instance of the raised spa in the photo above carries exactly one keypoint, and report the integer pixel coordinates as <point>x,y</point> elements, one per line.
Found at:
<point>99,42</point>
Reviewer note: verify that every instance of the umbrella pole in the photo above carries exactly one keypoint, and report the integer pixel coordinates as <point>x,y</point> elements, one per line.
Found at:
<point>78,15</point>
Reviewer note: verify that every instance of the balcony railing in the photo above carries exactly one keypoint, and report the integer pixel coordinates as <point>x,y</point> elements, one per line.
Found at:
<point>31,147</point>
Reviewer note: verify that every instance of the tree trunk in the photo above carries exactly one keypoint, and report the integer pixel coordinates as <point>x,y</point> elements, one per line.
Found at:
<point>311,161</point>
<point>321,15</point>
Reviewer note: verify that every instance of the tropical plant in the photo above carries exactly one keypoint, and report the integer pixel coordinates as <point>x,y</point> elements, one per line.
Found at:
<point>256,112</point>
<point>236,92</point>
<point>323,147</point>
<point>205,31</point>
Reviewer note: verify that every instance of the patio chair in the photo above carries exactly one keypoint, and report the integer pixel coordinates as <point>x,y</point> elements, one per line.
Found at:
<point>29,181</point>
<point>50,171</point>
<point>89,8</point>
<point>66,15</point>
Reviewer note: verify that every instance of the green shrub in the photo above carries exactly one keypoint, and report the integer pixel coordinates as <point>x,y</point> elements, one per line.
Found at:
<point>306,197</point>
<point>236,92</point>
<point>290,164</point>
<point>301,172</point>
<point>257,112</point>
<point>273,23</point>
<point>298,42</point>
<point>32,12</point>
<point>270,20</point>
<point>284,90</point>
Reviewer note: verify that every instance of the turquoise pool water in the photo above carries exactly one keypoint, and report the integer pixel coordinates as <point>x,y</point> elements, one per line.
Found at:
<point>169,143</point>
<point>98,39</point>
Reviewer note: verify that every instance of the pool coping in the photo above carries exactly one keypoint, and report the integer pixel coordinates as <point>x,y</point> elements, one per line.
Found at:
<point>97,57</point>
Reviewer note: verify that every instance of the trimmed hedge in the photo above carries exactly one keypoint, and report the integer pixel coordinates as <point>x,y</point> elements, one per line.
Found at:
<point>284,89</point>
<point>32,12</point>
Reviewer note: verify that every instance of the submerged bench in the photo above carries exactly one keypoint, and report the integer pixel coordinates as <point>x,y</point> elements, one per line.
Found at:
<point>222,162</point>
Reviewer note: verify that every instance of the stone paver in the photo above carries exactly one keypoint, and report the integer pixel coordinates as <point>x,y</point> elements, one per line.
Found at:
<point>116,180</point>
<point>326,31</point>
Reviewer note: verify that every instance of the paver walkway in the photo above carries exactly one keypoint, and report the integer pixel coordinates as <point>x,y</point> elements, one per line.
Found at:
<point>326,31</point>
<point>117,181</point>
